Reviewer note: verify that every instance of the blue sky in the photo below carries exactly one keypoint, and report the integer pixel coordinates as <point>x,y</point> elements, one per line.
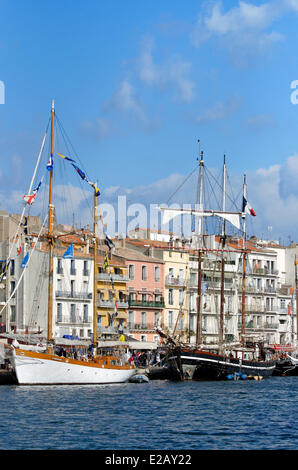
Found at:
<point>137,83</point>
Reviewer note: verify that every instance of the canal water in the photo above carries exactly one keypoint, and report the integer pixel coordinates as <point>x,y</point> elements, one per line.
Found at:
<point>229,415</point>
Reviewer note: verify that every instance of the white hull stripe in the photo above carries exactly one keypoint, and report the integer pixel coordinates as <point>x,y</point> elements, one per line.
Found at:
<point>215,361</point>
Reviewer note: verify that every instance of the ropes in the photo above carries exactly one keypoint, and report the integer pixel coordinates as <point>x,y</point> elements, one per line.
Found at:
<point>21,277</point>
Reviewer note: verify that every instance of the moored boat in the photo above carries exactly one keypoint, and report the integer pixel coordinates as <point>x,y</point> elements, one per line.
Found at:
<point>207,365</point>
<point>34,367</point>
<point>206,361</point>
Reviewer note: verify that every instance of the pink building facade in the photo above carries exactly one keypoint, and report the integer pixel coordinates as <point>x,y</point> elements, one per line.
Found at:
<point>145,295</point>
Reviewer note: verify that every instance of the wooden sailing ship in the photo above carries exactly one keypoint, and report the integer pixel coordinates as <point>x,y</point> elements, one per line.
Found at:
<point>223,360</point>
<point>49,367</point>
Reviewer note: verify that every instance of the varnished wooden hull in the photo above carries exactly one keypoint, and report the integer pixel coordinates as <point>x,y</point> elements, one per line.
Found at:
<point>32,368</point>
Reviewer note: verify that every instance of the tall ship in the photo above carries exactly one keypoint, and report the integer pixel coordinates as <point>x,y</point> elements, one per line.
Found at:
<point>244,357</point>
<point>45,364</point>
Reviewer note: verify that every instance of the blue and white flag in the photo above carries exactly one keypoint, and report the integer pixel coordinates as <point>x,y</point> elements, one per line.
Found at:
<point>69,252</point>
<point>25,260</point>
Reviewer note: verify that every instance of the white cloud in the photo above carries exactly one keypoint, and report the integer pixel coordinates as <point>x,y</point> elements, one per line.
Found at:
<point>219,110</point>
<point>126,99</point>
<point>244,29</point>
<point>259,122</point>
<point>174,72</point>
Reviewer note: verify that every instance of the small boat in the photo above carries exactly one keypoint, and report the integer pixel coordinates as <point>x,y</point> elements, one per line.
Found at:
<point>139,378</point>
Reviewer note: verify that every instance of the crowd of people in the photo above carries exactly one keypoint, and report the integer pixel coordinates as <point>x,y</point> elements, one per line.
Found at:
<point>144,359</point>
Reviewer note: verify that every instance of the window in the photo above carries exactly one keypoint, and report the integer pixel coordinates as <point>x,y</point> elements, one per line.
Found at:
<point>171,297</point>
<point>85,269</point>
<point>12,313</point>
<point>156,319</point>
<point>157,273</point>
<point>181,296</point>
<point>59,312</point>
<point>12,266</point>
<point>59,285</point>
<point>73,313</point>
<point>131,272</point>
<point>144,319</point>
<point>59,266</point>
<point>72,267</point>
<point>171,272</point>
<point>192,322</point>
<point>130,319</point>
<point>12,287</point>
<point>86,313</point>
<point>144,273</point>
<point>170,319</point>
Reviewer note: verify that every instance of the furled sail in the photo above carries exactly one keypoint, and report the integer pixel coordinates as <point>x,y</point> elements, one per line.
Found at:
<point>232,217</point>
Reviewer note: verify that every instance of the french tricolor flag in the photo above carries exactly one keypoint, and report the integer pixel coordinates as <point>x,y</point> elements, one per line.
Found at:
<point>247,208</point>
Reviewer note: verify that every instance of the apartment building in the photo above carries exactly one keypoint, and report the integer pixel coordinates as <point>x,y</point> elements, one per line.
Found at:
<point>145,294</point>
<point>112,298</point>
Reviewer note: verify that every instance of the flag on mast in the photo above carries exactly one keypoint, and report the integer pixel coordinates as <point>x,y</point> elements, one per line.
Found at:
<point>246,207</point>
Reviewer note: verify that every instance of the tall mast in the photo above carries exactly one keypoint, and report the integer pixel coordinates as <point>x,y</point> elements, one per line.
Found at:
<point>243,268</point>
<point>199,296</point>
<point>296,291</point>
<point>94,275</point>
<point>50,234</point>
<point>223,234</point>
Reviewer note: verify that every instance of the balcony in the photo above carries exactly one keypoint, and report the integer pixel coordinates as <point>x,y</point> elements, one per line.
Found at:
<point>114,277</point>
<point>144,326</point>
<point>263,326</point>
<point>73,295</point>
<point>265,271</point>
<point>111,304</point>
<point>74,319</point>
<point>175,281</point>
<point>110,330</point>
<point>146,303</point>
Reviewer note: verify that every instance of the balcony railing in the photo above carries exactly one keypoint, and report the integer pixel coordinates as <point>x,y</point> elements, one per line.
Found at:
<point>111,303</point>
<point>175,281</point>
<point>265,271</point>
<point>74,319</point>
<point>263,326</point>
<point>73,295</point>
<point>146,303</point>
<point>114,277</point>
<point>144,326</point>
<point>111,330</point>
